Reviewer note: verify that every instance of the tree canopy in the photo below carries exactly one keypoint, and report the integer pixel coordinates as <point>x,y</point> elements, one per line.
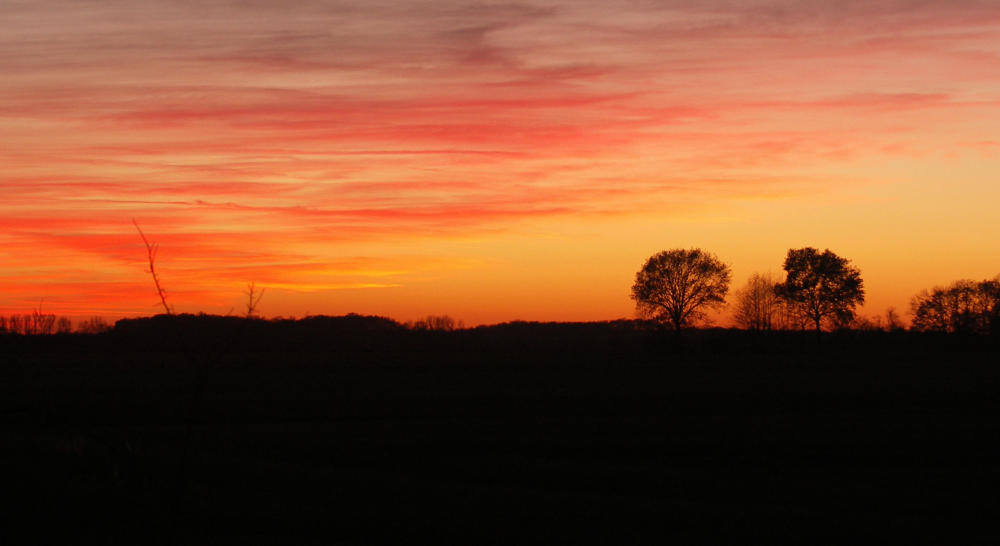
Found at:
<point>967,307</point>
<point>678,286</point>
<point>823,286</point>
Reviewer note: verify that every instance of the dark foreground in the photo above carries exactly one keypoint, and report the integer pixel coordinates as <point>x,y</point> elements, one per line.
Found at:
<point>524,434</point>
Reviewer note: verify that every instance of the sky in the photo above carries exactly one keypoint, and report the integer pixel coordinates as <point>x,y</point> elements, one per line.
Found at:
<point>491,161</point>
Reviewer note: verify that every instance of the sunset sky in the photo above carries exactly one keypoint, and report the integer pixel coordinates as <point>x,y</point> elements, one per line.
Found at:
<point>487,160</point>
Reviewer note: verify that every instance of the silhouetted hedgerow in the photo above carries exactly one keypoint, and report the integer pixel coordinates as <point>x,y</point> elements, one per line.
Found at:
<point>325,340</point>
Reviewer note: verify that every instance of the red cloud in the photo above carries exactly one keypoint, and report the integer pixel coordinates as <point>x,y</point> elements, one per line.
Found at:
<point>261,141</point>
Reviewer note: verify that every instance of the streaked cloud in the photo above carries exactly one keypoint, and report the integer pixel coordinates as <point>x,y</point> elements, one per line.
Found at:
<point>275,140</point>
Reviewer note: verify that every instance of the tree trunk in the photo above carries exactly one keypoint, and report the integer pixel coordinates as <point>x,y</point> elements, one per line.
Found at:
<point>677,332</point>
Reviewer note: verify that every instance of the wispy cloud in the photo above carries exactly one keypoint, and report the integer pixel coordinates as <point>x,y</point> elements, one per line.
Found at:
<point>305,130</point>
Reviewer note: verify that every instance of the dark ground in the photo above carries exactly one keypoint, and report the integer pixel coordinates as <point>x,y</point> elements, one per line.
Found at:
<point>364,433</point>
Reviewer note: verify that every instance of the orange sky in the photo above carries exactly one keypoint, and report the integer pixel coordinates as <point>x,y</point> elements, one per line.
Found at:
<point>491,161</point>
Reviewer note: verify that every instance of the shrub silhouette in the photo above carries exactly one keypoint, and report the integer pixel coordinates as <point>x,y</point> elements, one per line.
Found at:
<point>443,323</point>
<point>93,325</point>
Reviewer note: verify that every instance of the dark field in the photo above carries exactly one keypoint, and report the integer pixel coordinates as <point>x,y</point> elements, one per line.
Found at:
<point>356,431</point>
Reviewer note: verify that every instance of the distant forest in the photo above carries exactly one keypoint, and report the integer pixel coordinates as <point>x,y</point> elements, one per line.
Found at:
<point>188,338</point>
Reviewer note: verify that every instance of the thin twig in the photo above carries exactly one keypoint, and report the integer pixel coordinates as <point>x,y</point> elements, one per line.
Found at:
<point>151,254</point>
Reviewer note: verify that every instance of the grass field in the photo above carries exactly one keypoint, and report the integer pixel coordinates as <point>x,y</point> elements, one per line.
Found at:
<point>501,437</point>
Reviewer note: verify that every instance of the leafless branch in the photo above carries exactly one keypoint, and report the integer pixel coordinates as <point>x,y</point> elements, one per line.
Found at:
<point>151,255</point>
<point>253,298</point>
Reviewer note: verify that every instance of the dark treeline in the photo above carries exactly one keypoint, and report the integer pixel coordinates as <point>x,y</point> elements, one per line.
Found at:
<point>965,307</point>
<point>228,337</point>
<point>37,323</point>
<point>821,290</point>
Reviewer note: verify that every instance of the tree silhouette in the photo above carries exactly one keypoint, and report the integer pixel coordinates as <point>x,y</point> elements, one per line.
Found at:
<point>966,307</point>
<point>823,286</point>
<point>758,306</point>
<point>93,325</point>
<point>677,286</point>
<point>253,298</point>
<point>442,323</point>
<point>892,321</point>
<point>994,291</point>
<point>64,325</point>
<point>151,249</point>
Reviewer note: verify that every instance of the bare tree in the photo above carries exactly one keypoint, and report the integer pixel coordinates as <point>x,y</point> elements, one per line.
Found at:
<point>64,325</point>
<point>863,323</point>
<point>15,324</point>
<point>41,323</point>
<point>253,298</point>
<point>788,317</point>
<point>151,250</point>
<point>893,323</point>
<point>758,306</point>
<point>93,325</point>
<point>678,286</point>
<point>442,323</point>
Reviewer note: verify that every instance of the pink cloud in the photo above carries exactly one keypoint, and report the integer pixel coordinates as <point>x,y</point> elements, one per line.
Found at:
<point>224,125</point>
